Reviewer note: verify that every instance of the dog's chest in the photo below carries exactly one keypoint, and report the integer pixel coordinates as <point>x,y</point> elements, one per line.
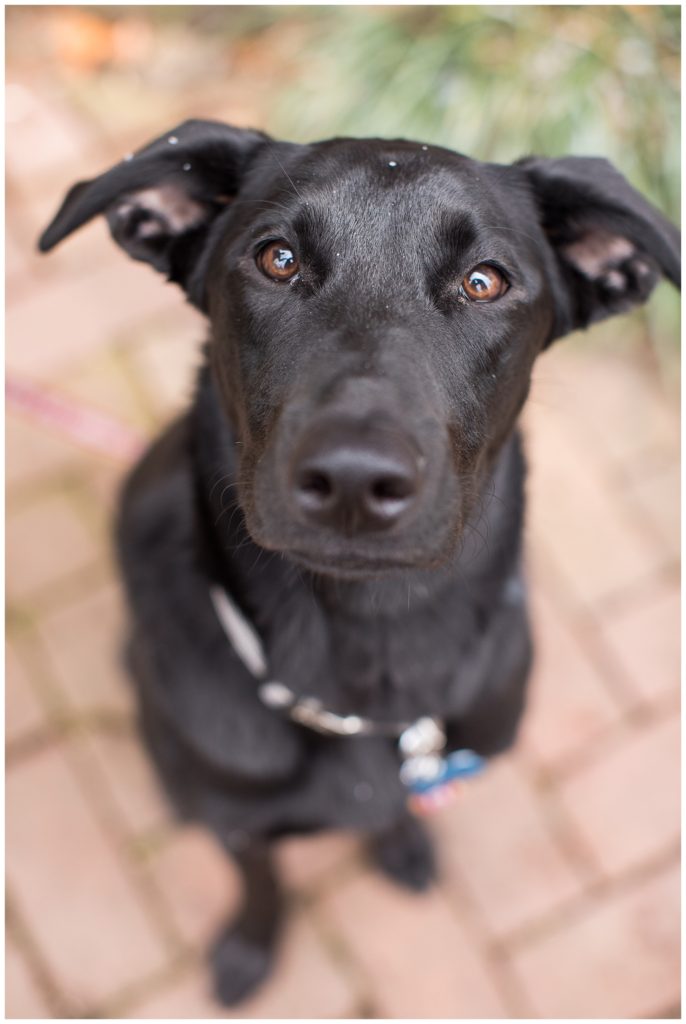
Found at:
<point>391,668</point>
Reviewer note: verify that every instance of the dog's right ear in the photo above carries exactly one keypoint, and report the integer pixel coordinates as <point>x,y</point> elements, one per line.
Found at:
<point>161,200</point>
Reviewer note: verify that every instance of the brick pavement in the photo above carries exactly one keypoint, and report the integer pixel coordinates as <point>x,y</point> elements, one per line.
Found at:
<point>559,889</point>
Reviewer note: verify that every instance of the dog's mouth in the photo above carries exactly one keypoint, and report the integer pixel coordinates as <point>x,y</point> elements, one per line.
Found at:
<point>363,556</point>
<point>351,566</point>
<point>359,564</point>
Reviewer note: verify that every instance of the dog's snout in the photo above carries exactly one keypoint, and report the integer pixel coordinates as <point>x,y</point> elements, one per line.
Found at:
<point>356,479</point>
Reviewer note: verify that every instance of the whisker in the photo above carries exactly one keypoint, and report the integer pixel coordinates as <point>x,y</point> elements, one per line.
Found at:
<point>276,157</point>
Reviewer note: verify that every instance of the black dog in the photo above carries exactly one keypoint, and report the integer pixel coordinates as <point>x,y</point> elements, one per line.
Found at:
<point>375,309</point>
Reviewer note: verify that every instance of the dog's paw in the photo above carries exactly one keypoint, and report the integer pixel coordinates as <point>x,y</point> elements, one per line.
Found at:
<point>406,855</point>
<point>238,966</point>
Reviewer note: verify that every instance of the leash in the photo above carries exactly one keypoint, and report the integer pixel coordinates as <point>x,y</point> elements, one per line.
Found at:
<point>432,777</point>
<point>83,424</point>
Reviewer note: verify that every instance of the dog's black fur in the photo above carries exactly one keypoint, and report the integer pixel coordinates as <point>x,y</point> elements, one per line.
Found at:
<point>373,350</point>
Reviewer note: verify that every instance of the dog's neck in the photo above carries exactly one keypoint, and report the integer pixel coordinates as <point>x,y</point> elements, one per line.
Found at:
<point>362,644</point>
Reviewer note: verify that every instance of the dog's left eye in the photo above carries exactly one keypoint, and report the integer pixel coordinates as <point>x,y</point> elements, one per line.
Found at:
<point>278,261</point>
<point>484,283</point>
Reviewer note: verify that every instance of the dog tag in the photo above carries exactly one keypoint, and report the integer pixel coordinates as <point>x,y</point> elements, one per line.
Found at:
<point>434,781</point>
<point>425,736</point>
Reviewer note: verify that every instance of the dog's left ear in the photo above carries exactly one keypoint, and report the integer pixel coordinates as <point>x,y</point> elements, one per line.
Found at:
<point>160,201</point>
<point>611,245</point>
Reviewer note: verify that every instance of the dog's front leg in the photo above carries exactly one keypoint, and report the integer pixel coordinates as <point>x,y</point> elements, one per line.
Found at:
<point>242,954</point>
<point>404,852</point>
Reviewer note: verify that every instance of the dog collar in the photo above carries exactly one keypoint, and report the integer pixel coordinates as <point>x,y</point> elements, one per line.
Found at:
<point>431,777</point>
<point>307,711</point>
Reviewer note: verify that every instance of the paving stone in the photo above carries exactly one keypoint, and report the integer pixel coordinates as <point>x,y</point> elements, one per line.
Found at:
<point>16,263</point>
<point>105,482</point>
<point>619,959</point>
<point>45,541</point>
<point>90,246</point>
<point>42,132</point>
<point>417,959</point>
<point>186,998</point>
<point>84,640</point>
<point>23,710</point>
<point>617,407</point>
<point>658,495</point>
<point>108,302</point>
<point>101,383</point>
<point>304,862</point>
<point>307,980</point>
<point>584,523</point>
<point>165,358</point>
<point>496,845</point>
<point>83,913</point>
<point>645,638</point>
<point>128,775</point>
<point>34,451</point>
<point>23,997</point>
<point>625,804</point>
<point>306,983</point>
<point>200,885</point>
<point>569,703</point>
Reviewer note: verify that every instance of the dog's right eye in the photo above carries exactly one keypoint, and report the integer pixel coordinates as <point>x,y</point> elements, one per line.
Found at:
<point>278,261</point>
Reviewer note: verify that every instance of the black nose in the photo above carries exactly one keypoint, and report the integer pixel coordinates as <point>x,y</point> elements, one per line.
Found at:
<point>355,478</point>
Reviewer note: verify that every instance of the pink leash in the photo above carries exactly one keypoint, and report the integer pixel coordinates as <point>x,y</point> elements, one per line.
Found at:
<point>82,424</point>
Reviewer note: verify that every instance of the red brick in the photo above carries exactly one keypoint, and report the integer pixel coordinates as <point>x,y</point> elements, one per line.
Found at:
<point>199,884</point>
<point>34,451</point>
<point>101,383</point>
<point>569,703</point>
<point>90,246</point>
<point>84,915</point>
<point>645,638</point>
<point>189,997</point>
<point>104,482</point>
<point>497,845</point>
<point>307,862</point>
<point>306,983</point>
<point>42,133</point>
<point>417,959</point>
<point>23,996</point>
<point>608,400</point>
<point>625,804</point>
<point>85,641</point>
<point>658,496</point>
<point>165,357</point>
<point>584,524</point>
<point>127,774</point>
<point>44,332</point>
<point>16,262</point>
<point>45,541</point>
<point>80,314</point>
<point>620,958</point>
<point>23,710</point>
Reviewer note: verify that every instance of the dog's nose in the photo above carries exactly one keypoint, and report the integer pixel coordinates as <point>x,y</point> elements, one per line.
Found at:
<point>356,479</point>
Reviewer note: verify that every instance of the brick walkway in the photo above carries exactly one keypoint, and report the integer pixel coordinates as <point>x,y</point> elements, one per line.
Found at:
<point>559,892</point>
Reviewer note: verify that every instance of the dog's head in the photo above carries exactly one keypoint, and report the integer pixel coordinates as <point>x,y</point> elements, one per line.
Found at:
<point>375,308</point>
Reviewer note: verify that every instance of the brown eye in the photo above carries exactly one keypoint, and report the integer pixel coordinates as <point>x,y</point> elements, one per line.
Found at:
<point>484,283</point>
<point>278,261</point>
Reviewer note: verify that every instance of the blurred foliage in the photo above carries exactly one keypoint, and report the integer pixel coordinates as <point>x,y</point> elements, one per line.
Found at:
<point>496,82</point>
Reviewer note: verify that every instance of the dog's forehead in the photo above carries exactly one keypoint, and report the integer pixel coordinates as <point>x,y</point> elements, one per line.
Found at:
<point>380,181</point>
<point>379,166</point>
